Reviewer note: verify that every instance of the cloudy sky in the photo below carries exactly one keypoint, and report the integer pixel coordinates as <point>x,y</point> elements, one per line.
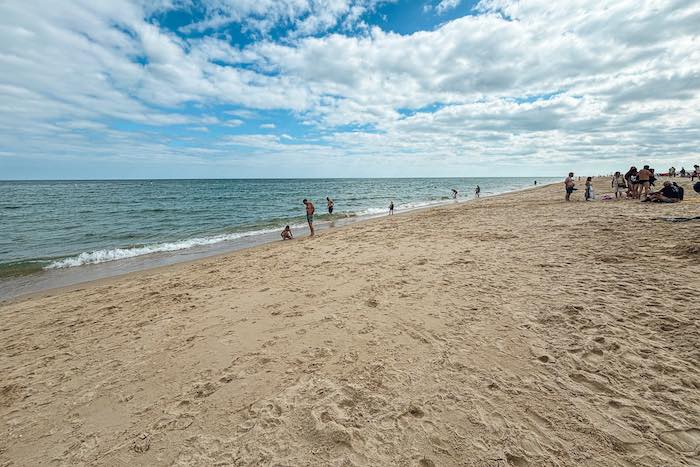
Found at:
<point>288,88</point>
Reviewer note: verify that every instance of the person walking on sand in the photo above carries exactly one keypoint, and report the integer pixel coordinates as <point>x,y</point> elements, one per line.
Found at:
<point>310,209</point>
<point>477,191</point>
<point>696,173</point>
<point>569,185</point>
<point>329,203</point>
<point>644,179</point>
<point>391,208</point>
<point>454,193</point>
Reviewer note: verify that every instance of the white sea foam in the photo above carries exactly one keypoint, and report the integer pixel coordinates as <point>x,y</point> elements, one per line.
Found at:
<point>371,212</point>
<point>114,254</point>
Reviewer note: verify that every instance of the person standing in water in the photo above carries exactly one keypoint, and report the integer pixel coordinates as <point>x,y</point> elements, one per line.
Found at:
<point>329,203</point>
<point>477,192</point>
<point>391,208</point>
<point>310,209</point>
<point>454,193</point>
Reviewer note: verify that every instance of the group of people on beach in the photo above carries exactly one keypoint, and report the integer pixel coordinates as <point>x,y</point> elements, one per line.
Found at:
<point>311,210</point>
<point>683,173</point>
<point>638,184</point>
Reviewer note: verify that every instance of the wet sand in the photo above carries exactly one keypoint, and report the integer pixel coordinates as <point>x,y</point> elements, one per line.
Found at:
<point>515,330</point>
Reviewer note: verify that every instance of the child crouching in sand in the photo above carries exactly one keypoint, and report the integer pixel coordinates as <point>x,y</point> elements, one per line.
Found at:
<point>287,233</point>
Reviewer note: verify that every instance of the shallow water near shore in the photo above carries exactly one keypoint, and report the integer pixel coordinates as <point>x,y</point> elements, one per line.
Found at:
<point>57,233</point>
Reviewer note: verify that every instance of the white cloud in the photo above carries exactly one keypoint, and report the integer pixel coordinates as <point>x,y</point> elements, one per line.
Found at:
<point>527,81</point>
<point>445,5</point>
<point>302,17</point>
<point>268,126</point>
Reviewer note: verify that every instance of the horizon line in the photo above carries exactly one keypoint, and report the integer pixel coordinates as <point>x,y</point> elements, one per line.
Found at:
<point>246,178</point>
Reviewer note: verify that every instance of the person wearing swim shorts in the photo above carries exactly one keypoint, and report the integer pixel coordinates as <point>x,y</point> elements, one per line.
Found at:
<point>569,185</point>
<point>644,180</point>
<point>310,209</point>
<point>329,203</point>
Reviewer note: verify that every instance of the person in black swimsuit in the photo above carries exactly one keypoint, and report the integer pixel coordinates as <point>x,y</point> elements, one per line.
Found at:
<point>329,203</point>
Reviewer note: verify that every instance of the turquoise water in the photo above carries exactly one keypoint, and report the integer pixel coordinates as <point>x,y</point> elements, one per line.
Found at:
<point>48,225</point>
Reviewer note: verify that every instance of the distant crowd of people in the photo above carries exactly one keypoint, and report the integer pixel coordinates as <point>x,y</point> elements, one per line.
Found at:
<point>683,173</point>
<point>639,184</point>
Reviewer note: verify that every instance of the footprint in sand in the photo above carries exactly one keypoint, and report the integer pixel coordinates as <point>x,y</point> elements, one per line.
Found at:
<point>539,421</point>
<point>687,441</point>
<point>593,356</point>
<point>591,384</point>
<point>142,443</point>
<point>202,390</point>
<point>180,422</point>
<point>9,394</point>
<point>516,460</point>
<point>415,411</point>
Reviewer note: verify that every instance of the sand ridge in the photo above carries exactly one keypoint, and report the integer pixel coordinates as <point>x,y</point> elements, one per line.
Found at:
<point>516,330</point>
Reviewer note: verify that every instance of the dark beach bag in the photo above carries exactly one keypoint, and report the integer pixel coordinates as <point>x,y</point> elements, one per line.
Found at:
<point>681,191</point>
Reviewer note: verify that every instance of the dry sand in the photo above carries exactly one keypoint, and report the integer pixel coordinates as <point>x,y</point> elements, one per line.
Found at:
<point>516,330</point>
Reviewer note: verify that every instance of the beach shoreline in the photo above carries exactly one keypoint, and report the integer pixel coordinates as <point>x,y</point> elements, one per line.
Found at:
<point>519,330</point>
<point>18,288</point>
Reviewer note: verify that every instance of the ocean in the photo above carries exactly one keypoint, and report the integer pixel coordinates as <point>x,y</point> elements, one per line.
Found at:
<point>52,226</point>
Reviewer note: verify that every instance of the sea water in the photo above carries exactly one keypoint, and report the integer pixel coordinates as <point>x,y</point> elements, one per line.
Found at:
<point>61,225</point>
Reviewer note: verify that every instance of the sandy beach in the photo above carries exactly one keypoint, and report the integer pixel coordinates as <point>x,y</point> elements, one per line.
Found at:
<point>514,330</point>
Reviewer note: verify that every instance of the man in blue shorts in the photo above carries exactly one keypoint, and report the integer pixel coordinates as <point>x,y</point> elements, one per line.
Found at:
<point>310,209</point>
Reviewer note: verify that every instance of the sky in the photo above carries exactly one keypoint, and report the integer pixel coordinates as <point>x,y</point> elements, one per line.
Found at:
<point>346,88</point>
